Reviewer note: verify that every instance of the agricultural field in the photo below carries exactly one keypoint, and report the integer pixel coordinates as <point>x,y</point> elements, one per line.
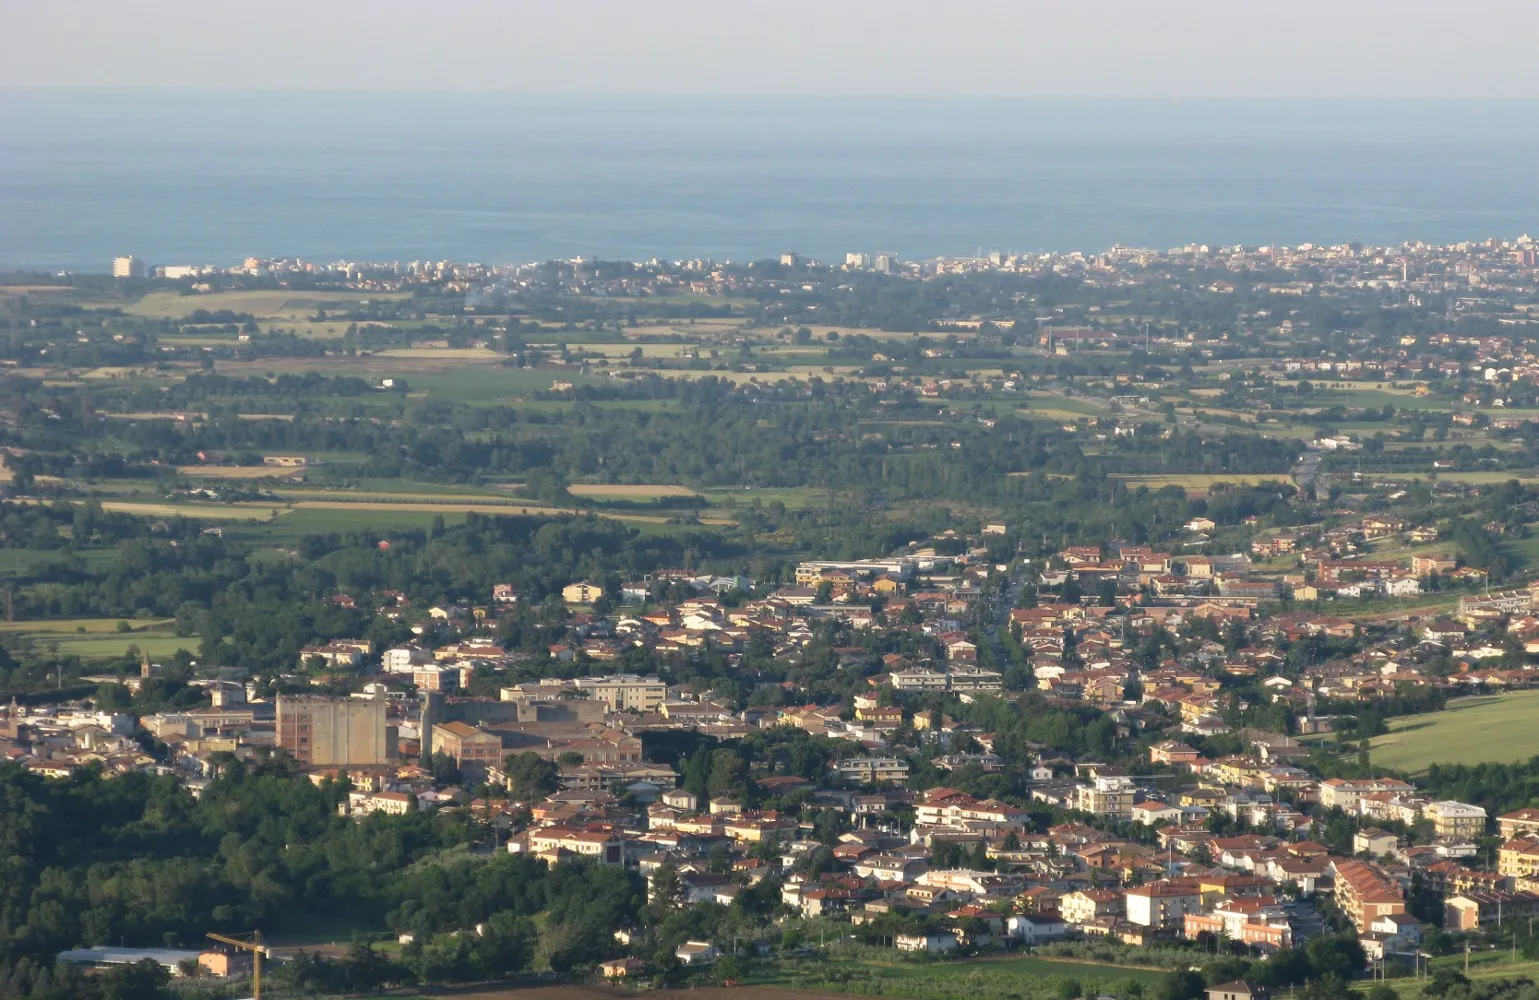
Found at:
<point>621,491</point>
<point>1521,553</point>
<point>895,977</point>
<point>1462,733</point>
<point>477,507</point>
<point>236,471</point>
<point>97,638</point>
<point>324,519</point>
<point>1483,965</point>
<point>22,561</point>
<point>145,508</point>
<point>1203,481</point>
<point>264,305</point>
<point>1481,477</point>
<point>794,497</point>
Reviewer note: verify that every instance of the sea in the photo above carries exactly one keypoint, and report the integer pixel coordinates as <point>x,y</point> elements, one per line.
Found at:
<point>211,177</point>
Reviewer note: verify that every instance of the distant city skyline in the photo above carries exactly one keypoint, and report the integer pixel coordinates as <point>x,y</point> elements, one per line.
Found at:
<point>1478,50</point>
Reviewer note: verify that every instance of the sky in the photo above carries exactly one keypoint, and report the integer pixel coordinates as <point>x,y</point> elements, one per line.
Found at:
<point>1474,49</point>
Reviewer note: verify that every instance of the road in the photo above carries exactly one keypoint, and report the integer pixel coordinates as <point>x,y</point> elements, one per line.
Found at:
<point>995,614</point>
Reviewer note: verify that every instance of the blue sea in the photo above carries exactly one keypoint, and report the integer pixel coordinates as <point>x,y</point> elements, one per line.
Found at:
<point>198,177</point>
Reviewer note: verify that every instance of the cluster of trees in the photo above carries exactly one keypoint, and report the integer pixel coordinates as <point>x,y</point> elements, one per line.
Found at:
<point>1497,788</point>
<point>137,860</point>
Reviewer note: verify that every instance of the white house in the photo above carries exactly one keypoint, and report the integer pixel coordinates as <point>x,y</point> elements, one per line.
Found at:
<point>926,942</point>
<point>1033,928</point>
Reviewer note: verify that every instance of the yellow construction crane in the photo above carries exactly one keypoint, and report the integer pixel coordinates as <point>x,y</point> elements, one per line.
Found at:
<point>257,949</point>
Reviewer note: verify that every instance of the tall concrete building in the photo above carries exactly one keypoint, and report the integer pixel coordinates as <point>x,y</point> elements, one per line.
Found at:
<point>127,267</point>
<point>333,731</point>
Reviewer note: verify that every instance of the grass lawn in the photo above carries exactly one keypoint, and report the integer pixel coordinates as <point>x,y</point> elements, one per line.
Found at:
<point>1498,729</point>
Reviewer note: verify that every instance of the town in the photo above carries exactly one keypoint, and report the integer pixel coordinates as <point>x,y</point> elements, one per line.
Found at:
<point>1162,820</point>
<point>1137,623</point>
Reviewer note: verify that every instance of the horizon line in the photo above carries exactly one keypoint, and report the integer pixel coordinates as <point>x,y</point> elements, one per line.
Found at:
<point>717,95</point>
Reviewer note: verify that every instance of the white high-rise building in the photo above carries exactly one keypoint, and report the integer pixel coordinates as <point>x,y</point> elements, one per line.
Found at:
<point>127,267</point>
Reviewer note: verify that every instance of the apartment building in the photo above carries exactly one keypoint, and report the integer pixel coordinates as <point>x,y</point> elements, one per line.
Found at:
<point>625,692</point>
<point>872,770</point>
<point>1260,921</point>
<point>1108,795</point>
<point>1364,893</point>
<point>1518,823</point>
<point>1518,857</point>
<point>1163,904</point>
<point>1456,819</point>
<point>1088,905</point>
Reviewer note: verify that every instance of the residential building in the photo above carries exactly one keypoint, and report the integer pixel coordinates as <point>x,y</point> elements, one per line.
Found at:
<point>1518,857</point>
<point>602,846</point>
<point>1162,904</point>
<point>127,267</point>
<point>1237,990</point>
<point>1520,822</point>
<point>1107,795</point>
<point>1089,905</point>
<point>1456,819</point>
<point>581,592</point>
<point>625,692</point>
<point>1365,893</point>
<point>873,770</point>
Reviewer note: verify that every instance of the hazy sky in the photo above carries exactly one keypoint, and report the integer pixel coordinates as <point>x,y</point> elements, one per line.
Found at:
<point>1151,48</point>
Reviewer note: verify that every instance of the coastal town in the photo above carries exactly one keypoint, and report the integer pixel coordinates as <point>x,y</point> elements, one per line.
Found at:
<point>1140,613</point>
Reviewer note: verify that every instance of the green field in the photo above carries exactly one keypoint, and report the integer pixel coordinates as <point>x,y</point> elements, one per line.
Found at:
<point>1202,481</point>
<point>792,496</point>
<point>95,638</point>
<point>1483,965</point>
<point>293,526</point>
<point>1501,729</point>
<point>928,980</point>
<point>24,561</point>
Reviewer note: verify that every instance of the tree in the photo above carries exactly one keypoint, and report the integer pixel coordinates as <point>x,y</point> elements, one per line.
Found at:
<point>729,774</point>
<point>144,980</point>
<point>1182,985</point>
<point>667,890</point>
<point>445,770</point>
<point>1340,956</point>
<point>530,776</point>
